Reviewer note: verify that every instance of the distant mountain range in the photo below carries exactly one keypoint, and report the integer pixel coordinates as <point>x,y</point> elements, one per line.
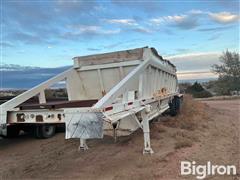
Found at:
<point>14,67</point>
<point>24,77</point>
<point>191,81</point>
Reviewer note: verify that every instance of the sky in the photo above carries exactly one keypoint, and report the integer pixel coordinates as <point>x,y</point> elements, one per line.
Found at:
<point>48,34</point>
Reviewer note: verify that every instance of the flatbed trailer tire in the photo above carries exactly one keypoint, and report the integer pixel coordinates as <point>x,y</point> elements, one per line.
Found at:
<point>175,106</point>
<point>12,131</point>
<point>45,131</point>
<point>36,132</point>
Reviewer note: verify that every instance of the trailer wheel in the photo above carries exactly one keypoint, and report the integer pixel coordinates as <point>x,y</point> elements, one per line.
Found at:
<point>175,106</point>
<point>47,131</point>
<point>12,131</point>
<point>37,133</point>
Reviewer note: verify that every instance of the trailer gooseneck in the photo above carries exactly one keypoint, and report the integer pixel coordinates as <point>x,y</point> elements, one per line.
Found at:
<point>113,93</point>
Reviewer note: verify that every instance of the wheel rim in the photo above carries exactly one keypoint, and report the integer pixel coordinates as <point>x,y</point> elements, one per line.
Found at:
<point>48,130</point>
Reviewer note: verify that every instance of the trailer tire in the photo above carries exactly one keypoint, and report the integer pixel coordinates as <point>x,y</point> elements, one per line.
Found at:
<point>175,106</point>
<point>46,131</point>
<point>12,131</point>
<point>37,132</point>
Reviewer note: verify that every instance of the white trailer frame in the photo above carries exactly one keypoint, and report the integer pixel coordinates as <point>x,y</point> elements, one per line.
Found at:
<point>140,95</point>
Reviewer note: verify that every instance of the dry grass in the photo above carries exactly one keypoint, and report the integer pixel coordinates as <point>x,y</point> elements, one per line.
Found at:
<point>192,112</point>
<point>188,126</point>
<point>161,129</point>
<point>218,98</point>
<point>184,138</point>
<point>184,128</point>
<point>185,134</point>
<point>158,130</point>
<point>183,142</point>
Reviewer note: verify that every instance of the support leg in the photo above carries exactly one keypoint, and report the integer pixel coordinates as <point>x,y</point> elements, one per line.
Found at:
<point>83,145</point>
<point>115,135</point>
<point>146,133</point>
<point>115,125</point>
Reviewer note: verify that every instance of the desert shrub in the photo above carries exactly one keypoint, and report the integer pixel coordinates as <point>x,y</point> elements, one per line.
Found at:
<point>196,87</point>
<point>202,94</point>
<point>197,91</point>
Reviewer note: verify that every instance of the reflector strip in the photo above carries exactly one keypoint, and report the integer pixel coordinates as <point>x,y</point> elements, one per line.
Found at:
<point>108,108</point>
<point>130,103</point>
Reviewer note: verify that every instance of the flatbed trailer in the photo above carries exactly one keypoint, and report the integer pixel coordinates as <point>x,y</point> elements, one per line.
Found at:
<point>113,93</point>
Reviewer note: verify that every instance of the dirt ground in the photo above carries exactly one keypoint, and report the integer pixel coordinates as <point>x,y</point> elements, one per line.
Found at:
<point>204,131</point>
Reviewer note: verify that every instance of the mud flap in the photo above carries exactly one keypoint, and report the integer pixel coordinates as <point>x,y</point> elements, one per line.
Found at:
<point>84,125</point>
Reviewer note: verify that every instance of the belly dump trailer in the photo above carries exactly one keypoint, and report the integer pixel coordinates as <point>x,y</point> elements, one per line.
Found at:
<point>113,93</point>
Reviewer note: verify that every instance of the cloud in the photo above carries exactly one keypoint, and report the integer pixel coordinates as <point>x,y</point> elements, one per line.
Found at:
<point>220,28</point>
<point>182,50</point>
<point>27,38</point>
<point>31,12</point>
<point>214,37</point>
<point>160,20</point>
<point>75,8</point>
<point>121,43</point>
<point>33,22</point>
<point>180,21</point>
<point>196,11</point>
<point>142,30</point>
<point>226,4</point>
<point>134,26</point>
<point>92,29</point>
<point>190,19</point>
<point>219,17</point>
<point>31,26</point>
<point>195,61</point>
<point>85,31</point>
<point>81,29</point>
<point>224,17</point>
<point>93,49</point>
<point>6,44</point>
<point>195,75</point>
<point>126,22</point>
<point>148,7</point>
<point>110,46</point>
